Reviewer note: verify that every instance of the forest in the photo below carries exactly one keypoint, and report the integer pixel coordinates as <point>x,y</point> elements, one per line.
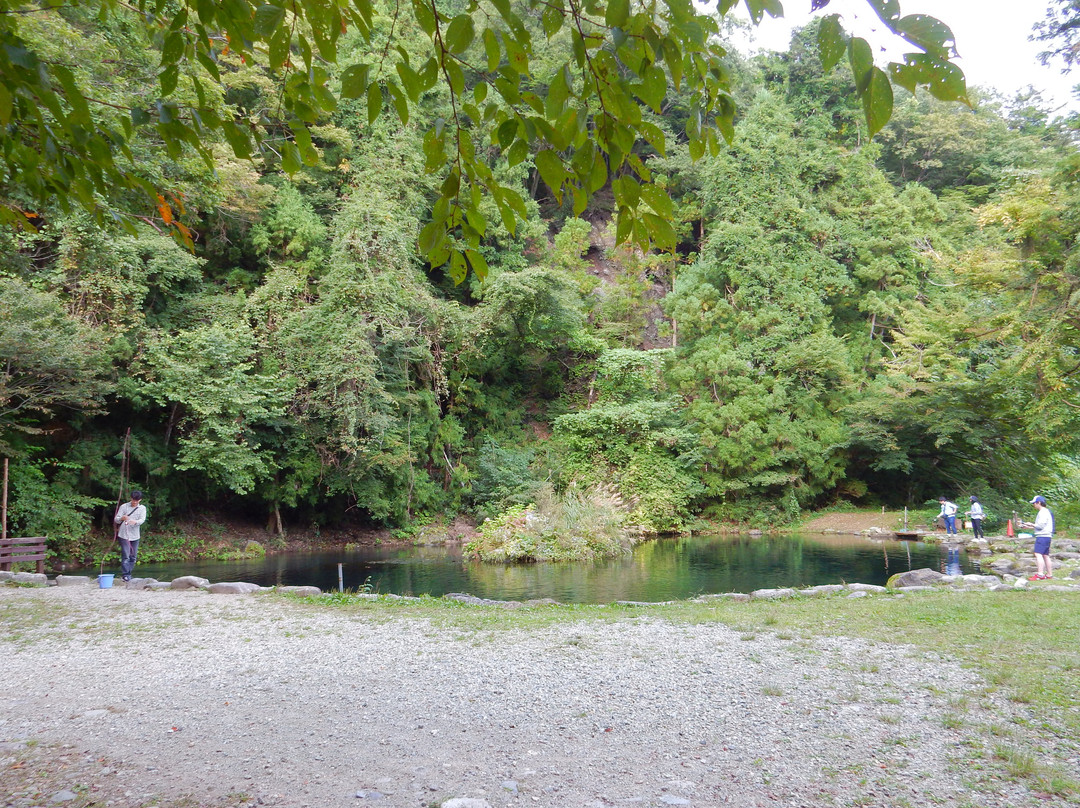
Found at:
<point>819,317</point>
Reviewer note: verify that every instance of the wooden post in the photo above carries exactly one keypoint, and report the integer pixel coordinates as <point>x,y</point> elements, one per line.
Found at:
<point>3,506</point>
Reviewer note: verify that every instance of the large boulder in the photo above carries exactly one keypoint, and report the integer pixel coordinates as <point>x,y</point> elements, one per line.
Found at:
<point>870,589</point>
<point>922,577</point>
<point>74,580</point>
<point>31,578</point>
<point>772,594</point>
<point>189,582</point>
<point>233,588</point>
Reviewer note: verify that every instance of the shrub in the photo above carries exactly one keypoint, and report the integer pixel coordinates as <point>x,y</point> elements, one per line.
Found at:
<point>579,524</point>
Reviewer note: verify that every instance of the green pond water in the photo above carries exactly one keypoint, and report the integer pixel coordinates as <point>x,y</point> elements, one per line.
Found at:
<point>662,569</point>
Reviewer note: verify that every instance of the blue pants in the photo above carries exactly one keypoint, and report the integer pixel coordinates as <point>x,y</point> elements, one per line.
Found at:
<point>128,551</point>
<point>950,525</point>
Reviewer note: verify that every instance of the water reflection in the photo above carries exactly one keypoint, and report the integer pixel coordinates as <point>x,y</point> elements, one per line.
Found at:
<point>663,569</point>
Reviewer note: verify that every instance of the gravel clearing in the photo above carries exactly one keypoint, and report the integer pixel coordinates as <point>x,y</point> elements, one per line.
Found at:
<point>133,698</point>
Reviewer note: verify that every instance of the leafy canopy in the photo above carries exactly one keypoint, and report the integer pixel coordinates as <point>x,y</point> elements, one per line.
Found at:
<point>63,141</point>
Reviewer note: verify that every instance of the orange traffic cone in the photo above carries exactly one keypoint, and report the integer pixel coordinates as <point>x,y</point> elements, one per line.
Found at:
<point>1009,529</point>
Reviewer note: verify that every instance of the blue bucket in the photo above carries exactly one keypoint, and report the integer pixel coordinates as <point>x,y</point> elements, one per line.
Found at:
<point>105,580</point>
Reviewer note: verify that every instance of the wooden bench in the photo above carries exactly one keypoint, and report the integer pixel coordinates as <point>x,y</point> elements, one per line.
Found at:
<point>22,549</point>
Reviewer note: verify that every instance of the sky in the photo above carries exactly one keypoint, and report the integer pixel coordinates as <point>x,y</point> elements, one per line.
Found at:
<point>991,38</point>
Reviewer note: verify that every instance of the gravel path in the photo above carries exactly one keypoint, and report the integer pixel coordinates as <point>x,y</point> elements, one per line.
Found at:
<point>229,700</point>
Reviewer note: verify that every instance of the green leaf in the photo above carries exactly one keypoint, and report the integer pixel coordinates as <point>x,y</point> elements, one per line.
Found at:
<point>617,13</point>
<point>424,16</point>
<point>168,79</point>
<point>658,200</point>
<point>558,92</point>
<point>517,153</point>
<point>459,269</point>
<point>660,231</point>
<point>80,111</point>
<point>861,58</point>
<point>552,19</point>
<point>492,49</point>
<point>551,171</point>
<point>290,158</point>
<point>460,33</point>
<point>877,100</point>
<point>401,103</point>
<point>374,102</point>
<point>409,80</point>
<point>267,18</point>
<point>354,81</point>
<point>506,133</point>
<point>209,65</point>
<point>477,263</point>
<point>172,50</point>
<point>831,43</point>
<point>888,10</point>
<point>6,105</point>
<point>929,33</point>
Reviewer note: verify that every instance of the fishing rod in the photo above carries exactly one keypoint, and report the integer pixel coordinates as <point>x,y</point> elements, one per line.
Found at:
<point>125,471</point>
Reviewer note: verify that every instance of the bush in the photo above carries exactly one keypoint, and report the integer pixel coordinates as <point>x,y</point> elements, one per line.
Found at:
<point>578,525</point>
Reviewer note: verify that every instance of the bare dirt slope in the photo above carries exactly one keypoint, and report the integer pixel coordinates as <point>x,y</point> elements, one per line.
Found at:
<point>851,522</point>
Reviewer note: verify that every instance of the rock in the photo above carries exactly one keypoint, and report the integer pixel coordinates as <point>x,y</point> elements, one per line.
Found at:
<point>772,594</point>
<point>755,532</point>
<point>466,802</point>
<point>868,588</point>
<point>920,577</point>
<point>63,796</point>
<point>543,602</point>
<point>824,589</point>
<point>369,794</point>
<point>73,580</point>
<point>472,599</point>
<point>6,576</point>
<point>1074,574</point>
<point>300,591</point>
<point>158,586</point>
<point>738,597</point>
<point>141,583</point>
<point>668,799</point>
<point>510,785</point>
<point>1020,583</point>
<point>232,588</point>
<point>189,582</point>
<point>859,593</point>
<point>989,580</point>
<point>32,578</point>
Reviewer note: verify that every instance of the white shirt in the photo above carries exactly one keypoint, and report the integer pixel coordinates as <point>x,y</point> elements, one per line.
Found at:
<point>948,508</point>
<point>1044,523</point>
<point>976,511</point>
<point>137,514</point>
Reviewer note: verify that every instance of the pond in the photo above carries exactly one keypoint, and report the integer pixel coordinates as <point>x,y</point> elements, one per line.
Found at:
<point>657,570</point>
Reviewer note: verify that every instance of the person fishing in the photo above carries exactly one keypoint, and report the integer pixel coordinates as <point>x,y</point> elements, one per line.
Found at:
<point>129,516</point>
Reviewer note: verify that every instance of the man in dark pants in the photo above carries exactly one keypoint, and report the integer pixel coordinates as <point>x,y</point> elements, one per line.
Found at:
<point>129,516</point>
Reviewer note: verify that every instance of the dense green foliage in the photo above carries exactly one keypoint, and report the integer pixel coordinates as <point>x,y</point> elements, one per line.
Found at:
<point>843,320</point>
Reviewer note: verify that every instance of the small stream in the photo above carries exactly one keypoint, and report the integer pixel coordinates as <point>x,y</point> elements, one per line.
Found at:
<point>657,570</point>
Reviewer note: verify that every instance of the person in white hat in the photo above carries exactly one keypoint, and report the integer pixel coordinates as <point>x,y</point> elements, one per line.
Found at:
<point>1044,531</point>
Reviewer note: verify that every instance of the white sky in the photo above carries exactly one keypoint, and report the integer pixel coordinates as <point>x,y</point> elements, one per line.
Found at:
<point>991,38</point>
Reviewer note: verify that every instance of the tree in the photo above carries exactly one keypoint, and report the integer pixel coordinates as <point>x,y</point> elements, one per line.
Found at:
<point>583,128</point>
<point>1060,28</point>
<point>51,362</point>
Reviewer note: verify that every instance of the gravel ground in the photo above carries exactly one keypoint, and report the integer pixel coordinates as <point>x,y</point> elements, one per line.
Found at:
<point>133,698</point>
